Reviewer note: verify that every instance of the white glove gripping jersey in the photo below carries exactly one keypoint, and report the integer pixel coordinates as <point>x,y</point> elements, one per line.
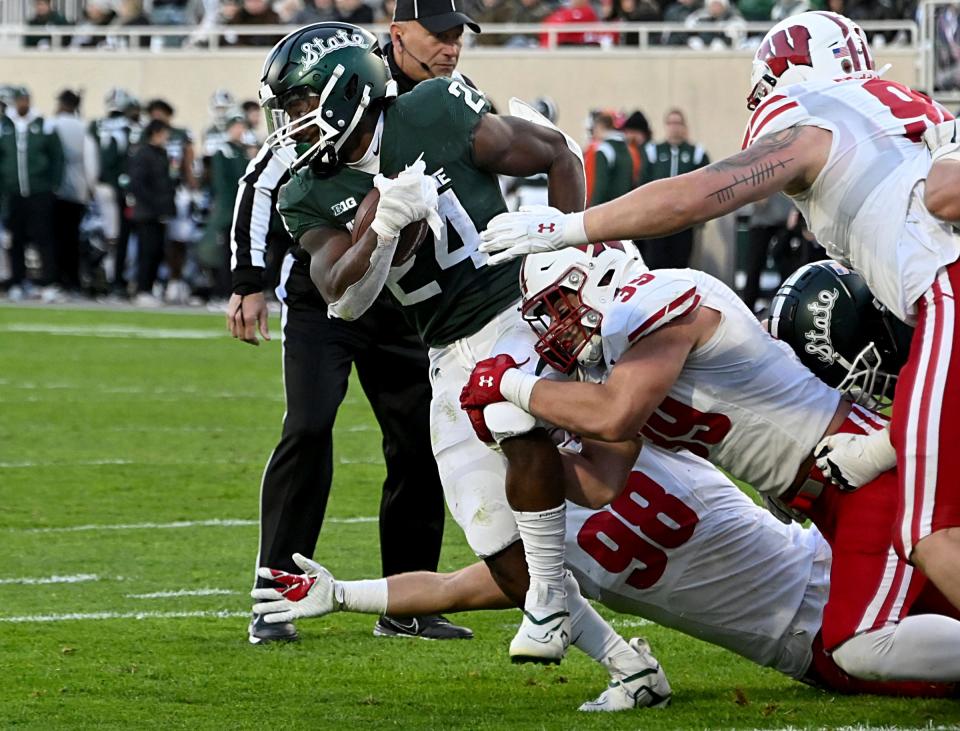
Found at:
<point>743,400</point>
<point>866,206</point>
<point>682,546</point>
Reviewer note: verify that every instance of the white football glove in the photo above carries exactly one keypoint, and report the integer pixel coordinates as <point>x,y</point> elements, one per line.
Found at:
<point>852,460</point>
<point>411,196</point>
<point>531,230</point>
<point>943,140</point>
<point>310,594</point>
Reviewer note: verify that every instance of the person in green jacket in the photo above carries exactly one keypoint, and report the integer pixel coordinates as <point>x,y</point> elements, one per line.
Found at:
<point>226,168</point>
<point>608,162</point>
<point>31,169</point>
<point>674,156</point>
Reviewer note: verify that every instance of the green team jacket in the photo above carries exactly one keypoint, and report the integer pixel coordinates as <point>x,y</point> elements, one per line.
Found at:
<point>31,157</point>
<point>663,160</point>
<point>612,169</point>
<point>446,290</point>
<point>226,169</point>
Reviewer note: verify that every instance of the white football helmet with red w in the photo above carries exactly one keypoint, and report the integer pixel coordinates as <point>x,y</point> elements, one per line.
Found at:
<point>807,47</point>
<point>566,294</point>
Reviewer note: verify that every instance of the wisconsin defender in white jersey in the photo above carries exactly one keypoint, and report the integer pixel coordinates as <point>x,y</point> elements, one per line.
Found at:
<point>736,396</point>
<point>681,545</point>
<point>848,147</point>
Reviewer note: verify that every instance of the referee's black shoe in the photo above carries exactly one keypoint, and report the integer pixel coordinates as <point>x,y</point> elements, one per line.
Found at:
<point>261,633</point>
<point>427,627</point>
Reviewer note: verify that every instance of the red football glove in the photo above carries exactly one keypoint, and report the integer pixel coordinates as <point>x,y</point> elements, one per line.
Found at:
<point>483,386</point>
<point>483,389</point>
<point>297,585</point>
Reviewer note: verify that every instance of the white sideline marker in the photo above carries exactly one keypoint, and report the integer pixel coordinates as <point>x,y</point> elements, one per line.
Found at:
<point>30,580</point>
<point>182,592</point>
<point>113,331</point>
<point>211,523</point>
<point>97,616</point>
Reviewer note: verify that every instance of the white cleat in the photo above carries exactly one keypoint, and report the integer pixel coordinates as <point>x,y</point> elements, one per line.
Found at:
<point>544,633</point>
<point>642,684</point>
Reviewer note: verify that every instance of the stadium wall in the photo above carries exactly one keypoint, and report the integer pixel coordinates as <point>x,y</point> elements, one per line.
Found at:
<point>711,88</point>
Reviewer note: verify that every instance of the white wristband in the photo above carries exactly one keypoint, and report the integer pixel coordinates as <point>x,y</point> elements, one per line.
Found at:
<point>878,450</point>
<point>517,386</point>
<point>574,232</point>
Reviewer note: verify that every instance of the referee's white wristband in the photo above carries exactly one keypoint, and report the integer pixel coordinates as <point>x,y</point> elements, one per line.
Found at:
<point>516,387</point>
<point>574,232</point>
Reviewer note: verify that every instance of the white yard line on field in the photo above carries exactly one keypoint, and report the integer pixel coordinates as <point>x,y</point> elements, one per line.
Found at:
<point>211,523</point>
<point>182,592</point>
<point>114,331</point>
<point>72,579</point>
<point>93,616</point>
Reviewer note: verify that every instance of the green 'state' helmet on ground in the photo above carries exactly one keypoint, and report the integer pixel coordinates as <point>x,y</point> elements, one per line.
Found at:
<point>828,315</point>
<point>338,64</point>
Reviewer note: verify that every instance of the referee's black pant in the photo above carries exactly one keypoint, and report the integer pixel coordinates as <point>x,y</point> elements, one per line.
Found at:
<point>392,368</point>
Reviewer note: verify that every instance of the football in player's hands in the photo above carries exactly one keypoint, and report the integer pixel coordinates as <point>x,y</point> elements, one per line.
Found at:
<point>411,237</point>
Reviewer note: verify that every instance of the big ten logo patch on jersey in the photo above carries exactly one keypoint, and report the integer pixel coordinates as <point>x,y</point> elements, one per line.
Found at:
<point>676,425</point>
<point>344,206</point>
<point>443,182</point>
<point>315,50</point>
<point>610,536</point>
<point>818,340</point>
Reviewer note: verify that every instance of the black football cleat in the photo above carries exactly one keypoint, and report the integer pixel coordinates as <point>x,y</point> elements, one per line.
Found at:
<point>261,633</point>
<point>427,627</point>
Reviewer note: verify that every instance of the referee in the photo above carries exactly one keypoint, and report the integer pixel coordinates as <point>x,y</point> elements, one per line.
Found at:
<point>391,363</point>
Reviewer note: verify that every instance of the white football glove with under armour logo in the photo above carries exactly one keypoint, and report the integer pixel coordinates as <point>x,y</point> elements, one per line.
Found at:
<point>943,140</point>
<point>531,230</point>
<point>411,196</point>
<point>852,460</point>
<point>310,594</point>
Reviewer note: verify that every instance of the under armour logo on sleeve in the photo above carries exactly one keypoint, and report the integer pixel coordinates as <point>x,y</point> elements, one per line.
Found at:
<point>486,381</point>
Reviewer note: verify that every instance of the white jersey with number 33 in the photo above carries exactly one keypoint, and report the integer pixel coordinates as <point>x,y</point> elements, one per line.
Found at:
<point>743,400</point>
<point>684,547</point>
<point>866,206</point>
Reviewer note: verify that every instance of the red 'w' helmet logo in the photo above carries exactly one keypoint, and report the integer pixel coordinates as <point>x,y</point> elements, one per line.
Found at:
<point>546,227</point>
<point>790,47</point>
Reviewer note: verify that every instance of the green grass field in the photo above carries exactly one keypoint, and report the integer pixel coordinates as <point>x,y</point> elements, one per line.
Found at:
<point>131,448</point>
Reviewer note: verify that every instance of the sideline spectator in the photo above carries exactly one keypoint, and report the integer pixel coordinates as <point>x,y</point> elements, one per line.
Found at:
<point>227,167</point>
<point>97,15</point>
<point>768,223</point>
<point>528,11</point>
<point>253,12</point>
<point>574,11</point>
<point>80,173</point>
<point>637,131</point>
<point>635,11</point>
<point>492,11</point>
<point>31,168</point>
<point>677,12</point>
<point>785,8</point>
<point>153,206</point>
<point>385,11</point>
<point>672,157</point>
<point>315,11</point>
<point>354,11</point>
<point>720,26</point>
<point>181,229</point>
<point>221,104</point>
<point>44,15</point>
<point>131,15</point>
<point>608,164</point>
<point>253,115</point>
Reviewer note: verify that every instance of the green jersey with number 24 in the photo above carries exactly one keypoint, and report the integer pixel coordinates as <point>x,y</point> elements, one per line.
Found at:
<point>446,290</point>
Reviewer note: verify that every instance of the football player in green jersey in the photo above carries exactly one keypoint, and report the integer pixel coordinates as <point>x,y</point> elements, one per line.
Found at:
<point>434,154</point>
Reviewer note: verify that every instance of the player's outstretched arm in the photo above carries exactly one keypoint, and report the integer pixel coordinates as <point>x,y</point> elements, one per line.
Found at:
<point>787,161</point>
<point>512,146</point>
<point>334,263</point>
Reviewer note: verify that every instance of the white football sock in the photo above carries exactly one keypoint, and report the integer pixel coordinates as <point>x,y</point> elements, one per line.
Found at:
<point>543,534</point>
<point>925,647</point>
<point>595,637</point>
<point>368,596</point>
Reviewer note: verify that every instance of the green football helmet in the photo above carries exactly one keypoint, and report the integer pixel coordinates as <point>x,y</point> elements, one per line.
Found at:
<point>339,64</point>
<point>829,317</point>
